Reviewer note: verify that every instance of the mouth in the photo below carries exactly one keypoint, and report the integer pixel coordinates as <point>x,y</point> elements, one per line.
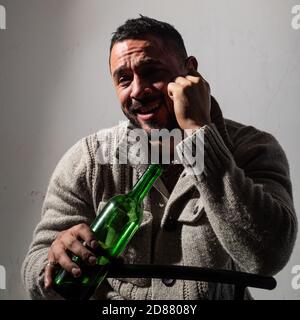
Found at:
<point>149,112</point>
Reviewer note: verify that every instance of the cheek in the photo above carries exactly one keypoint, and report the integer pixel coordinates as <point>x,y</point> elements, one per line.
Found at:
<point>162,87</point>
<point>168,101</point>
<point>123,97</point>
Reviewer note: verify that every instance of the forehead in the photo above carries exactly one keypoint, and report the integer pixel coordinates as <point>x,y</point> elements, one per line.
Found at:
<point>131,51</point>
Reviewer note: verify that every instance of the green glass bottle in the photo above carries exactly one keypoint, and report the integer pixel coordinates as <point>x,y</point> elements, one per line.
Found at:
<point>113,228</point>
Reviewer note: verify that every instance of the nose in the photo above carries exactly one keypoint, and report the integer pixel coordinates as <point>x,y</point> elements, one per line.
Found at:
<point>140,88</point>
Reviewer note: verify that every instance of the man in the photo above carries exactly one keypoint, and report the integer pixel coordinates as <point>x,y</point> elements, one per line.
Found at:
<point>237,213</point>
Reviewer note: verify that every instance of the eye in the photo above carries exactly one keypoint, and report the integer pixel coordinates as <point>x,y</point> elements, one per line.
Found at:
<point>124,81</point>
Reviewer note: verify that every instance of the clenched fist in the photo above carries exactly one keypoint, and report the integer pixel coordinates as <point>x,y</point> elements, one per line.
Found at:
<point>191,98</point>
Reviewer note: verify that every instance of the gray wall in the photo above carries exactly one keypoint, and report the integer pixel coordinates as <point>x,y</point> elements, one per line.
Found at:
<point>55,88</point>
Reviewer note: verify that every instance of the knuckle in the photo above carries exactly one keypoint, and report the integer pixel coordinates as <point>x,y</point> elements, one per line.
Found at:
<point>52,246</point>
<point>69,243</point>
<point>82,226</point>
<point>197,80</point>
<point>85,254</point>
<point>75,228</point>
<point>90,238</point>
<point>65,240</point>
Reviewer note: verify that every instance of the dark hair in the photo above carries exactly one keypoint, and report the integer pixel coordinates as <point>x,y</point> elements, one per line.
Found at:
<point>140,27</point>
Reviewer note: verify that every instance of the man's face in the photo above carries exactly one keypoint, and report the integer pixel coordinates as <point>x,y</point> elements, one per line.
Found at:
<point>141,71</point>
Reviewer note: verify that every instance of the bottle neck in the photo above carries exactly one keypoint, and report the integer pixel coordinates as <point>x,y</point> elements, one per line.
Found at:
<point>146,181</point>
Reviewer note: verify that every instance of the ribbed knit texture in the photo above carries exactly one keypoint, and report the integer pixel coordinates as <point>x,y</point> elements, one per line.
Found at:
<point>237,213</point>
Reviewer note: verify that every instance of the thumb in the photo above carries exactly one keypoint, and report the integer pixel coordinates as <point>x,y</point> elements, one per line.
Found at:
<point>172,87</point>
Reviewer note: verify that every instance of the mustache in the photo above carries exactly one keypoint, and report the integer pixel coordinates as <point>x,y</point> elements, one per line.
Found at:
<point>136,105</point>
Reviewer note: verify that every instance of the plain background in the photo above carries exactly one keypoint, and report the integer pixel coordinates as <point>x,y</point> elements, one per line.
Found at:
<point>55,88</point>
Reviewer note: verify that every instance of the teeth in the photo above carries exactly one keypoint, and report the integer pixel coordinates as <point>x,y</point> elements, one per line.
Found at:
<point>148,110</point>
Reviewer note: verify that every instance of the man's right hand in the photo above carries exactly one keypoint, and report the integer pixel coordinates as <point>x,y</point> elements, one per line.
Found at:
<point>73,240</point>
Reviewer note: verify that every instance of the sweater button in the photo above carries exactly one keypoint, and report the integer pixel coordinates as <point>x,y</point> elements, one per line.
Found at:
<point>168,282</point>
<point>161,204</point>
<point>170,224</point>
<point>195,211</point>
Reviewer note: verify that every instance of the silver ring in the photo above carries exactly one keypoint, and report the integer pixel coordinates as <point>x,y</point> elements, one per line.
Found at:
<point>51,264</point>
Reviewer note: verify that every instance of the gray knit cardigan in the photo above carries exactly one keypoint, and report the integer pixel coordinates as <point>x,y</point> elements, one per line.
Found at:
<point>237,214</point>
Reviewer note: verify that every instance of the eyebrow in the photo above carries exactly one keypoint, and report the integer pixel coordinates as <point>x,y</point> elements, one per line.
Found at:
<point>142,63</point>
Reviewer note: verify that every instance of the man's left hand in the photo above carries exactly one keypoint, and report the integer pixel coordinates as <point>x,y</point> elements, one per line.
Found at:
<point>191,98</point>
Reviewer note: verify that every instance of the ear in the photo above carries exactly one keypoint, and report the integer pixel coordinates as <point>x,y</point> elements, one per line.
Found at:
<point>191,63</point>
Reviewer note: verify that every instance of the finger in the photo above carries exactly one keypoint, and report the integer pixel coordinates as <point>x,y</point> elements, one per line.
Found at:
<point>174,89</point>
<point>195,73</point>
<point>85,233</point>
<point>183,81</point>
<point>98,251</point>
<point>82,250</point>
<point>49,270</point>
<point>196,77</point>
<point>65,261</point>
<point>189,80</point>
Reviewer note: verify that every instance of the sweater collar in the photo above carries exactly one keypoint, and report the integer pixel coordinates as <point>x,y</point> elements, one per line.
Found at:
<point>129,149</point>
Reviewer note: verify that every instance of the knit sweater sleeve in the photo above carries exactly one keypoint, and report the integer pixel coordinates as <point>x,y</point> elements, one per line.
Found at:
<point>247,197</point>
<point>68,202</point>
